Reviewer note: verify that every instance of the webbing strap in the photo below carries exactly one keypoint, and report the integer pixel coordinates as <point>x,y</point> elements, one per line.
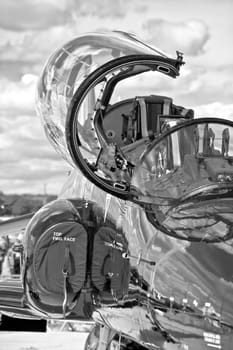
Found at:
<point>166,106</point>
<point>144,127</point>
<point>65,277</point>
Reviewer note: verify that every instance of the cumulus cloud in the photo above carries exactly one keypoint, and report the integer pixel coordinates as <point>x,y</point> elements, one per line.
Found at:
<point>189,37</point>
<point>24,138</point>
<point>31,170</point>
<point>34,14</point>
<point>33,48</point>
<point>196,86</point>
<point>25,178</point>
<point>205,85</point>
<point>14,70</point>
<point>27,160</point>
<point>10,36</point>
<point>149,83</point>
<point>102,8</point>
<point>215,109</point>
<point>17,95</point>
<point>27,15</point>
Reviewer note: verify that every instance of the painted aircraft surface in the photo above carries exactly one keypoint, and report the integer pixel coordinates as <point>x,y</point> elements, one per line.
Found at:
<point>140,239</point>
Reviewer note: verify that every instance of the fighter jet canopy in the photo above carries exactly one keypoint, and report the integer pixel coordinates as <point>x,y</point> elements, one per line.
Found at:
<point>73,65</point>
<point>76,86</point>
<point>141,148</point>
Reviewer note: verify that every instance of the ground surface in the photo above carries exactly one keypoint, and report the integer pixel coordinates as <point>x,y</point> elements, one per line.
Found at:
<point>42,341</point>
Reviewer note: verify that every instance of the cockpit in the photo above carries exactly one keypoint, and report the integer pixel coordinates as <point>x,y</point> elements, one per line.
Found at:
<point>129,126</point>
<point>140,118</point>
<point>134,144</point>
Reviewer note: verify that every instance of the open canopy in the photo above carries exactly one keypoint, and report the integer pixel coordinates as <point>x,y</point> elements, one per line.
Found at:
<point>77,74</point>
<point>185,180</point>
<point>143,148</point>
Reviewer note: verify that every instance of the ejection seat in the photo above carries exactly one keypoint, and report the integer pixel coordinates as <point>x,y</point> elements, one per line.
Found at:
<point>129,127</point>
<point>146,116</point>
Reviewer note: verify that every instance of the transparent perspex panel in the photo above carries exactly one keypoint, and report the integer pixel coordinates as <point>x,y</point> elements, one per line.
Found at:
<point>68,67</point>
<point>187,178</point>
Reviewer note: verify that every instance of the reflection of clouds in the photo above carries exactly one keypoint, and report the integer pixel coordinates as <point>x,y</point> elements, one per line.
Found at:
<point>221,137</point>
<point>182,275</point>
<point>189,278</point>
<point>167,183</point>
<point>204,220</point>
<point>226,246</point>
<point>123,319</point>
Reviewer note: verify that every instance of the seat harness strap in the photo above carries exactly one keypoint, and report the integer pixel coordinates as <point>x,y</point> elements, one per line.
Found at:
<point>65,278</point>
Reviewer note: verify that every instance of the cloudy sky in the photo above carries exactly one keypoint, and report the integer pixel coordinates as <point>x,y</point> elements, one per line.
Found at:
<point>31,29</point>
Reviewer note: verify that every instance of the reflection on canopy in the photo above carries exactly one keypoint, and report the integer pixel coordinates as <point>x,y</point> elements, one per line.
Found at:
<point>186,178</point>
<point>175,172</point>
<point>68,67</point>
<point>186,161</point>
